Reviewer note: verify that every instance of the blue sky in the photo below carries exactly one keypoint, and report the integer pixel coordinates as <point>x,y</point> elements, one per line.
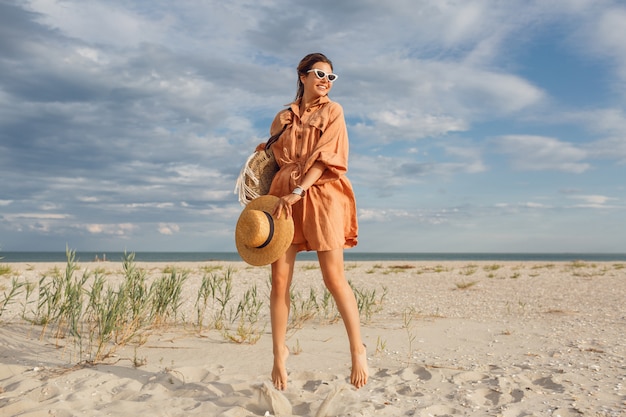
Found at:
<point>475,126</point>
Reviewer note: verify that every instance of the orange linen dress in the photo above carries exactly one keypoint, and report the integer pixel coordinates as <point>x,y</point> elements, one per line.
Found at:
<point>325,218</point>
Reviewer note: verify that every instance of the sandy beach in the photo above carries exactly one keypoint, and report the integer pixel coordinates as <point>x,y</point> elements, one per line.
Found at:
<point>506,339</point>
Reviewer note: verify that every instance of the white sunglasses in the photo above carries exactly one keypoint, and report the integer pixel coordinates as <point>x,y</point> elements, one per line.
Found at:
<point>321,74</point>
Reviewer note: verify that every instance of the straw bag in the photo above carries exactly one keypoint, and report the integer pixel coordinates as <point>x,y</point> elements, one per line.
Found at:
<point>258,172</point>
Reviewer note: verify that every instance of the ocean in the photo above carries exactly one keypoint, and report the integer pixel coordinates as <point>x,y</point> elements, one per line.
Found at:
<point>6,257</point>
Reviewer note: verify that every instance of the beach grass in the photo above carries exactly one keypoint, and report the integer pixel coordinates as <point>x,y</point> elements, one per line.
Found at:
<point>408,319</point>
<point>96,315</point>
<point>492,267</point>
<point>368,301</point>
<point>469,270</point>
<point>381,345</point>
<point>10,296</point>
<point>464,285</point>
<point>5,270</point>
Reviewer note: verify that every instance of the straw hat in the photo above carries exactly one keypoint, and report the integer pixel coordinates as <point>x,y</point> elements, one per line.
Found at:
<point>260,237</point>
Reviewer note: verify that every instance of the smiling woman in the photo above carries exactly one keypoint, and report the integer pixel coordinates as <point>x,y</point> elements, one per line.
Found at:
<point>312,188</point>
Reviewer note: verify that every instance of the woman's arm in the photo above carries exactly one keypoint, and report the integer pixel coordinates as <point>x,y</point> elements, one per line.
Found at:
<point>285,202</point>
<point>312,175</point>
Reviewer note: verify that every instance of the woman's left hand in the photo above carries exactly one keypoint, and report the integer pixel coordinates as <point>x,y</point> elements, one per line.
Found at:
<point>284,205</point>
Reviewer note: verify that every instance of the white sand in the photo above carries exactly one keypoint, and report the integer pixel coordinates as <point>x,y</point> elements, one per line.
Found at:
<point>523,339</point>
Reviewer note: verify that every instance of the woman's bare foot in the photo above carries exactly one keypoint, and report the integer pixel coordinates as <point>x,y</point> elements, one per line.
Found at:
<point>360,373</point>
<point>279,372</point>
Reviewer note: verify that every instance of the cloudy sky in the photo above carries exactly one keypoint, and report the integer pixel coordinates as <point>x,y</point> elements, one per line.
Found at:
<point>475,125</point>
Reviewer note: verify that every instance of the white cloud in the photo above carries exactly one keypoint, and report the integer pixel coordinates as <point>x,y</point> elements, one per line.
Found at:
<point>610,126</point>
<point>395,215</point>
<point>391,175</point>
<point>99,23</point>
<point>37,216</point>
<point>539,153</point>
<point>119,230</point>
<point>88,199</point>
<point>520,206</point>
<point>605,121</point>
<point>497,92</point>
<point>534,205</point>
<point>593,201</point>
<point>168,228</point>
<point>609,40</point>
<point>151,205</point>
<point>94,228</point>
<point>434,98</point>
<point>398,125</point>
<point>464,19</point>
<point>92,54</point>
<point>609,148</point>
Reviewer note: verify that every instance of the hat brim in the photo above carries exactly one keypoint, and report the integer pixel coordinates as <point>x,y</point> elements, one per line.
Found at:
<point>281,240</point>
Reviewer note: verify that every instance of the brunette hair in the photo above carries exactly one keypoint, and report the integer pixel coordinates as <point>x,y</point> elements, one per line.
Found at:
<point>306,64</point>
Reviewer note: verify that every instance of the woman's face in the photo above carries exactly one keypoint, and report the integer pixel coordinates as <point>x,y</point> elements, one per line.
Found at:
<point>315,87</point>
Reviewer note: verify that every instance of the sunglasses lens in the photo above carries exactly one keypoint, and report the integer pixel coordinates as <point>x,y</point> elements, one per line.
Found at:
<point>321,74</point>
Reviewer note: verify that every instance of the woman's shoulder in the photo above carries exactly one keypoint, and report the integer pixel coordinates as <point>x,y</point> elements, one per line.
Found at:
<point>334,106</point>
<point>333,110</point>
<point>331,106</point>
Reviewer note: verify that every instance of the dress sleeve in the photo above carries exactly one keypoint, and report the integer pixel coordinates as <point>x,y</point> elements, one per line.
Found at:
<point>332,148</point>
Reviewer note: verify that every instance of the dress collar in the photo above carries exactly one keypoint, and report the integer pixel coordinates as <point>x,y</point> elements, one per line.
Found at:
<point>295,105</point>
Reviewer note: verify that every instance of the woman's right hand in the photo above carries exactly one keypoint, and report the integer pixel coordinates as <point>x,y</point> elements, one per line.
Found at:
<point>284,205</point>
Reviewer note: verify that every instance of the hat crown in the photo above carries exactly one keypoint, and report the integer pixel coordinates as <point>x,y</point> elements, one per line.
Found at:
<point>255,228</point>
<point>261,238</point>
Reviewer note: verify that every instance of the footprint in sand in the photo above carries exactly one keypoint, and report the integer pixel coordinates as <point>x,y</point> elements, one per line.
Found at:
<point>438,410</point>
<point>549,384</point>
<point>470,376</point>
<point>484,397</point>
<point>409,374</point>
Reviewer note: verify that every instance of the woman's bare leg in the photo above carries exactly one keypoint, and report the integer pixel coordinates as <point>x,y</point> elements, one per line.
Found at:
<point>282,273</point>
<point>331,263</point>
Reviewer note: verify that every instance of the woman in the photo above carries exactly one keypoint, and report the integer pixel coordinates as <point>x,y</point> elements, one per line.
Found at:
<point>312,187</point>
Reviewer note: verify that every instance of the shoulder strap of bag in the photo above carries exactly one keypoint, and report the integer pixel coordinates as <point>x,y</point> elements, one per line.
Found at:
<point>274,138</point>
